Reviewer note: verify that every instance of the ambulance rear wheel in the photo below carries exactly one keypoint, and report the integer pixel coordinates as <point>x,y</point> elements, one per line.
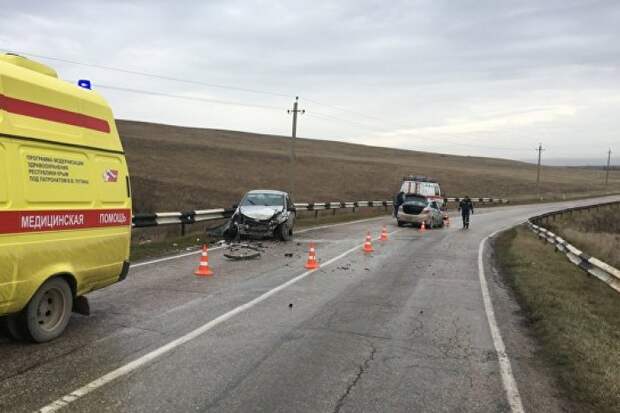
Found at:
<point>49,311</point>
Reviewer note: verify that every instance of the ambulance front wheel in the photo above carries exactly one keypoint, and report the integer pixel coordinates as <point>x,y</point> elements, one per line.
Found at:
<point>49,311</point>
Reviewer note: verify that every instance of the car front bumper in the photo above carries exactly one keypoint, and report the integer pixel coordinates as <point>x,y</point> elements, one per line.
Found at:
<point>257,229</point>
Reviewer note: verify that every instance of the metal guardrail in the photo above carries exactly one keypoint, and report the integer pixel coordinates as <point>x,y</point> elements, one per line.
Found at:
<point>142,220</point>
<point>601,270</point>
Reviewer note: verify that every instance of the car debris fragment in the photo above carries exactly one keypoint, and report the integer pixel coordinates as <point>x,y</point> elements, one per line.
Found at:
<point>241,252</point>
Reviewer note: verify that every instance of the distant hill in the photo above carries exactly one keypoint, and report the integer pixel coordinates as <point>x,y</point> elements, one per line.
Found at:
<point>177,168</point>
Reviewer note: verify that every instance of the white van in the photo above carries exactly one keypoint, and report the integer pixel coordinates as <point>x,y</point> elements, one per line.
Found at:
<point>424,186</point>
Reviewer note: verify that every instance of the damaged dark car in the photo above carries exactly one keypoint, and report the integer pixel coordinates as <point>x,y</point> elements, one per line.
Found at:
<point>263,213</point>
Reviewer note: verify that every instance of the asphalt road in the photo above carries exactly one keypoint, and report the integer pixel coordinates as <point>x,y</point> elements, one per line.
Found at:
<point>400,330</point>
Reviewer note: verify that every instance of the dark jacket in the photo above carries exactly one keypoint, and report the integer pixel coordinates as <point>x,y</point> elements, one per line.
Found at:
<point>466,206</point>
<point>399,198</point>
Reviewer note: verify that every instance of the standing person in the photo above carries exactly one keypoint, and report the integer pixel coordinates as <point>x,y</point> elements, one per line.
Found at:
<point>398,201</point>
<point>466,207</point>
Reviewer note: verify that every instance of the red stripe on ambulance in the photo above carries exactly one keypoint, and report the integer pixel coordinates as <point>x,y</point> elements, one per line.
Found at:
<point>36,110</point>
<point>12,222</point>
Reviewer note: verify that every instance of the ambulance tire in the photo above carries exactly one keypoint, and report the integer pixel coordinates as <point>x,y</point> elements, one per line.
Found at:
<point>48,311</point>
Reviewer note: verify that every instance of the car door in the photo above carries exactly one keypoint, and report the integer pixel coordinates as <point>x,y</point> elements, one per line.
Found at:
<point>435,212</point>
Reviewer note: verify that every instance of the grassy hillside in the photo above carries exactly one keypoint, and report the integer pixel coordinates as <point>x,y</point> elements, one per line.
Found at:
<point>176,168</point>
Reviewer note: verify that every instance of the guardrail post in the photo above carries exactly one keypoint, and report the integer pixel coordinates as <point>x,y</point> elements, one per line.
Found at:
<point>182,229</point>
<point>334,212</point>
<point>316,214</point>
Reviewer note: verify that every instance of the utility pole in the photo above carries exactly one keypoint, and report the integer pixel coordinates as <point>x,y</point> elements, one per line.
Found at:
<point>540,150</point>
<point>292,157</point>
<point>608,166</point>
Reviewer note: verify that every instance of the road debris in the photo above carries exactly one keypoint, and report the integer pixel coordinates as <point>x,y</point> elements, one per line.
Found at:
<point>241,252</point>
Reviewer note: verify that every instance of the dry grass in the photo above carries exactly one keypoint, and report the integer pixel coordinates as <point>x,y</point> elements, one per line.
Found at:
<point>595,231</point>
<point>575,317</point>
<point>177,168</point>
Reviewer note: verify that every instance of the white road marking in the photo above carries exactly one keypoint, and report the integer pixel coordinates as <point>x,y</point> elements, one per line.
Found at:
<point>508,379</point>
<point>174,257</point>
<point>187,254</point>
<point>75,395</point>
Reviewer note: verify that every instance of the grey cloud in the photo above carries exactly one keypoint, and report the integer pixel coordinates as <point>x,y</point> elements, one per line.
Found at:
<point>412,63</point>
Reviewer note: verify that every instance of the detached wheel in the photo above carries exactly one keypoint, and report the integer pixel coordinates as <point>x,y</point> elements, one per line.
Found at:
<point>283,232</point>
<point>49,311</point>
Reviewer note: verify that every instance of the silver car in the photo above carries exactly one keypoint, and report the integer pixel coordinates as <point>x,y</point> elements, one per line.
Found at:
<point>417,209</point>
<point>265,213</point>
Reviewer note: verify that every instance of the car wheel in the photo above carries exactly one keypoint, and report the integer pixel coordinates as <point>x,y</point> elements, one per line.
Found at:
<point>283,232</point>
<point>400,223</point>
<point>47,314</point>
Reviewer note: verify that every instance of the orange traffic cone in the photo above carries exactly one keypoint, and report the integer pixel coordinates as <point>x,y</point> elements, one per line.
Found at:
<point>384,234</point>
<point>203,269</point>
<point>423,227</point>
<point>368,244</point>
<point>312,263</point>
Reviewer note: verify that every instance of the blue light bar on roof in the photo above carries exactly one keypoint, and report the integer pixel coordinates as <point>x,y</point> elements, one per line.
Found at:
<point>85,84</point>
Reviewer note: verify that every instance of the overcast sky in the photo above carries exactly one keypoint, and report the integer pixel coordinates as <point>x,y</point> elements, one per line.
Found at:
<point>477,77</point>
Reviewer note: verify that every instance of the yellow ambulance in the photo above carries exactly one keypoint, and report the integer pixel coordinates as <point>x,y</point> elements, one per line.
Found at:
<point>65,199</point>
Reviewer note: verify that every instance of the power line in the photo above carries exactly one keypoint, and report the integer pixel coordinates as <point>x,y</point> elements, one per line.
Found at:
<point>319,115</point>
<point>337,119</point>
<point>152,75</point>
<point>340,108</point>
<point>194,98</point>
<point>189,81</point>
<point>276,108</point>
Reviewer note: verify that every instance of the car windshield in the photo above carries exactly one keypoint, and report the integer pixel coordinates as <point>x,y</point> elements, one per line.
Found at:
<point>415,200</point>
<point>263,199</point>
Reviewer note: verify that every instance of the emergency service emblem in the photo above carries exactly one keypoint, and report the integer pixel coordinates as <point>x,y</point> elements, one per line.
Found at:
<point>110,175</point>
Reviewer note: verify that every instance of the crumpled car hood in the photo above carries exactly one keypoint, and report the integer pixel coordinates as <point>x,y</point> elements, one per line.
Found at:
<point>259,212</point>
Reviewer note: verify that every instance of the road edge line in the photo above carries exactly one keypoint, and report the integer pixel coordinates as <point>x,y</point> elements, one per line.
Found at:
<point>508,379</point>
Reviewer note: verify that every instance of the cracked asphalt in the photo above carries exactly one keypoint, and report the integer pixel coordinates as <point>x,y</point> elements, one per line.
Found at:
<point>400,330</point>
